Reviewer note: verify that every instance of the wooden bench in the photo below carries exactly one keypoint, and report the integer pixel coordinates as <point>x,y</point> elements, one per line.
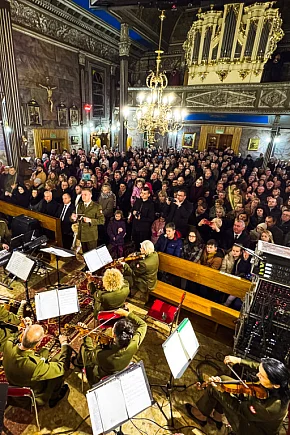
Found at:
<point>47,222</point>
<point>202,275</point>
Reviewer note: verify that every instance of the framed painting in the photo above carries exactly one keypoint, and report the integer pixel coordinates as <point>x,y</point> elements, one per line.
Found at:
<point>33,113</point>
<point>254,144</point>
<point>74,116</point>
<point>188,140</point>
<point>75,140</point>
<point>62,115</point>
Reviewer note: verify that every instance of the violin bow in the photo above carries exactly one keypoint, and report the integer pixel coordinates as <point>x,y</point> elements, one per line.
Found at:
<point>95,329</point>
<point>242,382</point>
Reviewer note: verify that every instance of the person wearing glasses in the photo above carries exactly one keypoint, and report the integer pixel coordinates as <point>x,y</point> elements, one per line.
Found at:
<point>191,251</point>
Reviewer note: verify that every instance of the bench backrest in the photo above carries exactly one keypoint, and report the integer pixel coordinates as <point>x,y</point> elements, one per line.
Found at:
<point>47,222</point>
<point>203,275</point>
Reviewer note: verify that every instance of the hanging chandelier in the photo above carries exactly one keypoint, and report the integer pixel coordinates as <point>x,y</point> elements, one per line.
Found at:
<point>155,113</point>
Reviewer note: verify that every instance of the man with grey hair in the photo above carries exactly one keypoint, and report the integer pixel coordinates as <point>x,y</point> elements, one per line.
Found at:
<point>235,235</point>
<point>23,368</point>
<point>142,275</point>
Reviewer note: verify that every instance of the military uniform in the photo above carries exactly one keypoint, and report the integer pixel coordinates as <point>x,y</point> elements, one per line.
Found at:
<point>6,331</point>
<point>143,276</point>
<point>105,301</point>
<point>249,417</point>
<point>88,231</point>
<point>101,362</point>
<point>5,235</point>
<point>25,369</point>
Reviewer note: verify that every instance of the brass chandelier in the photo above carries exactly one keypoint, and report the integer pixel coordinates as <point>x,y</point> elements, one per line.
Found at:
<point>155,113</point>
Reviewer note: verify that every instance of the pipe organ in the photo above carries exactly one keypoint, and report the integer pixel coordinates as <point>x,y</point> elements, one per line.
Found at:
<point>232,45</point>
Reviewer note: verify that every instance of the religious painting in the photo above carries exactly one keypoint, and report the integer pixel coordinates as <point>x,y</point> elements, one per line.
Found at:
<point>62,115</point>
<point>33,113</point>
<point>74,116</point>
<point>254,144</point>
<point>188,140</point>
<point>75,140</point>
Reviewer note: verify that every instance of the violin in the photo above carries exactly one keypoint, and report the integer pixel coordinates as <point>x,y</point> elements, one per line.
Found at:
<point>118,263</point>
<point>99,336</point>
<point>254,389</point>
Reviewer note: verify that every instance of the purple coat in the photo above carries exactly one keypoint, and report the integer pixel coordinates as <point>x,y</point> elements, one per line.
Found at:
<point>116,239</point>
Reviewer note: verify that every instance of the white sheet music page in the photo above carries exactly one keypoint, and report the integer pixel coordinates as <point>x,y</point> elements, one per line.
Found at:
<point>19,265</point>
<point>46,305</point>
<point>92,399</point>
<point>112,405</point>
<point>104,255</point>
<point>57,251</point>
<point>188,338</point>
<point>175,354</point>
<point>135,390</point>
<point>92,260</point>
<point>68,301</point>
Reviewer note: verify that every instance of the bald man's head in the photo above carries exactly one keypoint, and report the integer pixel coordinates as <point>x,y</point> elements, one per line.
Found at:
<point>32,335</point>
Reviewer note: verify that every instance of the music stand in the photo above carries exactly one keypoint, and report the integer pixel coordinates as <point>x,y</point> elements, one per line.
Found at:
<point>59,253</point>
<point>127,393</point>
<point>97,258</point>
<point>21,267</point>
<point>180,348</point>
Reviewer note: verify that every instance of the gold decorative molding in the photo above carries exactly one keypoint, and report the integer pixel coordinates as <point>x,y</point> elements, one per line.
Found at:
<point>223,73</point>
<point>243,73</point>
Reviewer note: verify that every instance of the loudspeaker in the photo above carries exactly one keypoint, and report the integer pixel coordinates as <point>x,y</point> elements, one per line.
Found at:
<point>24,224</point>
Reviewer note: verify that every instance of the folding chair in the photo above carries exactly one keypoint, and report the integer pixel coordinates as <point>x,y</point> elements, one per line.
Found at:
<point>166,313</point>
<point>19,392</point>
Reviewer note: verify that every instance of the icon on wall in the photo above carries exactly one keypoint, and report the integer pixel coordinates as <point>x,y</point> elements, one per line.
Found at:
<point>254,144</point>
<point>33,113</point>
<point>74,116</point>
<point>62,115</point>
<point>188,140</point>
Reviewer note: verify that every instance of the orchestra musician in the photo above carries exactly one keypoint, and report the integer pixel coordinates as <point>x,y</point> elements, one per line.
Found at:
<point>251,416</point>
<point>7,320</point>
<point>99,362</point>
<point>142,274</point>
<point>5,235</point>
<point>113,294</point>
<point>88,215</point>
<point>23,368</point>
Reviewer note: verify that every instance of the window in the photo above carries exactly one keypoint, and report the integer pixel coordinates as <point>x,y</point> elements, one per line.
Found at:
<point>98,93</point>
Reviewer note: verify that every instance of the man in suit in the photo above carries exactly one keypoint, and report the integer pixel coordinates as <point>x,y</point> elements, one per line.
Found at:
<point>23,368</point>
<point>143,217</point>
<point>236,234</point>
<point>65,212</point>
<point>49,205</point>
<point>78,195</point>
<point>179,212</point>
<point>89,216</point>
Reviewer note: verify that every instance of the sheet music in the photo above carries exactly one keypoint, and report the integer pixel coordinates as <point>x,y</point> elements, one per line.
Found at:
<point>135,392</point>
<point>112,405</point>
<point>104,255</point>
<point>20,265</point>
<point>68,301</point>
<point>57,251</point>
<point>175,354</point>
<point>46,305</point>
<point>188,338</point>
<point>97,258</point>
<point>92,398</point>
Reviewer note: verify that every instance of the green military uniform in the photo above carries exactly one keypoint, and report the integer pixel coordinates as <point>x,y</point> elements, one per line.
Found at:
<point>143,276</point>
<point>5,235</point>
<point>250,417</point>
<point>106,301</point>
<point>7,331</point>
<point>88,231</point>
<point>105,362</point>
<point>23,368</point>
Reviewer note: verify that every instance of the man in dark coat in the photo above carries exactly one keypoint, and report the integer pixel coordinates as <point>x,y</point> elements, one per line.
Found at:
<point>277,234</point>
<point>179,212</point>
<point>65,212</point>
<point>143,217</point>
<point>237,234</point>
<point>49,205</point>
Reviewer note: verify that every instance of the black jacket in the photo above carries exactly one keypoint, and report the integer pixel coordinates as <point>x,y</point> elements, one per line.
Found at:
<point>180,216</point>
<point>228,239</point>
<point>51,208</point>
<point>66,222</point>
<point>147,215</point>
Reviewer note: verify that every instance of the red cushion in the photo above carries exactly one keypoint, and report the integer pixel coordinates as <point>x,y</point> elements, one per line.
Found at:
<point>103,316</point>
<point>162,311</point>
<point>19,391</point>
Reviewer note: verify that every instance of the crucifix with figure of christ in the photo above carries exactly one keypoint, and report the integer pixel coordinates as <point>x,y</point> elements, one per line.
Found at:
<point>49,90</point>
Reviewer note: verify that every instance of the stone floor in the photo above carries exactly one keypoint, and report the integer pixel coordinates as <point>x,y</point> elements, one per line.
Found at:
<point>71,417</point>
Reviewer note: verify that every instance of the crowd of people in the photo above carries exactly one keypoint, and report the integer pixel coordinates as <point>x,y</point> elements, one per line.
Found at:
<point>202,206</point>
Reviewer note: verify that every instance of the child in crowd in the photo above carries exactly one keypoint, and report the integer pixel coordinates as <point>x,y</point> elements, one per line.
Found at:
<point>117,231</point>
<point>157,228</point>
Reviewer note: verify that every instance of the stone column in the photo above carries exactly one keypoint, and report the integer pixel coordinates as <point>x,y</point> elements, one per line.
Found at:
<point>11,108</point>
<point>112,101</point>
<point>82,63</point>
<point>124,49</point>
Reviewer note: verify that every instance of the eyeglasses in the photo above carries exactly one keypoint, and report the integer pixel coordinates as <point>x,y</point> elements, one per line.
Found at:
<point>192,235</point>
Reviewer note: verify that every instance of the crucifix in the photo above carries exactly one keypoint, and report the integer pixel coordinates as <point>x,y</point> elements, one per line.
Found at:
<point>49,90</point>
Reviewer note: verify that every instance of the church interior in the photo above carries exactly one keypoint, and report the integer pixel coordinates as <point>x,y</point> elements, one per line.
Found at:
<point>176,80</point>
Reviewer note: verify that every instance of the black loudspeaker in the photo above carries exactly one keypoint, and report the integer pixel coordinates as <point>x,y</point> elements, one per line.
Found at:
<point>23,225</point>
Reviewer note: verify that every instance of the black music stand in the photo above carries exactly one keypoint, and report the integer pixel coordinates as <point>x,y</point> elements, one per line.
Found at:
<point>59,253</point>
<point>21,267</point>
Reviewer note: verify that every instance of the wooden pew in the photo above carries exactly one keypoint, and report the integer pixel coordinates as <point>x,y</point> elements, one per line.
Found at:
<point>203,275</point>
<point>47,222</point>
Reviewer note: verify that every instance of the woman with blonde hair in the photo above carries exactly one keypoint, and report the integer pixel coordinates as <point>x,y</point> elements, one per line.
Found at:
<point>267,236</point>
<point>112,295</point>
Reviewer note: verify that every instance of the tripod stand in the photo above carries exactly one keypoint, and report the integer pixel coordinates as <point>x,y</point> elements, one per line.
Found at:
<point>168,389</point>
